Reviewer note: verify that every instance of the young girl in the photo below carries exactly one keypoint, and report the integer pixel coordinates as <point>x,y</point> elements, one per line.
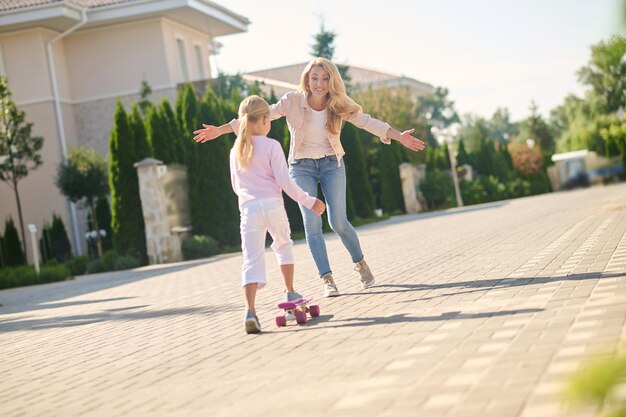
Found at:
<point>258,172</point>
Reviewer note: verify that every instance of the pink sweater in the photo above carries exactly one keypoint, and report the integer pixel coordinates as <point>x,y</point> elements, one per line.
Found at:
<point>266,174</point>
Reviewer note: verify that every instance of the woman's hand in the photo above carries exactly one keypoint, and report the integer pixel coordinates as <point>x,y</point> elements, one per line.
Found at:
<point>208,133</point>
<point>410,142</point>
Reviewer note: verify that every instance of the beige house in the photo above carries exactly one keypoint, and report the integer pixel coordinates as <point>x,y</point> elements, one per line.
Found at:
<point>287,78</point>
<point>67,62</point>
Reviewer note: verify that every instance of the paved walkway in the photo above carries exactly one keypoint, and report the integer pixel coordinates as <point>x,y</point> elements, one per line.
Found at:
<point>483,311</point>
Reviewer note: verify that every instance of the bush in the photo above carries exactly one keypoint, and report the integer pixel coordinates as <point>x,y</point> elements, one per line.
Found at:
<point>26,275</point>
<point>494,189</point>
<point>97,266</point>
<point>126,262</point>
<point>199,247</point>
<point>54,273</point>
<point>438,190</point>
<point>472,192</point>
<point>77,265</point>
<point>109,257</point>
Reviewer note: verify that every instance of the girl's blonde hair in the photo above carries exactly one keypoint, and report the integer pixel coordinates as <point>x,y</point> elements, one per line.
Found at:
<point>251,110</point>
<point>339,105</point>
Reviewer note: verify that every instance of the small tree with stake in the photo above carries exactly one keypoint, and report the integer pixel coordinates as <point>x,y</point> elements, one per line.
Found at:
<point>84,176</point>
<point>19,151</point>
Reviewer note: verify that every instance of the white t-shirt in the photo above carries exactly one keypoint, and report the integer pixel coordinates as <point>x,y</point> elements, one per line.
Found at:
<point>316,143</point>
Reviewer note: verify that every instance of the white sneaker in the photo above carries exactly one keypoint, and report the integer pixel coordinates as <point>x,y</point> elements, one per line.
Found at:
<point>367,278</point>
<point>330,289</point>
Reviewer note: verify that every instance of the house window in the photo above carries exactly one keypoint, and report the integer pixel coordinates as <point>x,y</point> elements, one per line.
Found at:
<point>200,62</point>
<point>182,58</point>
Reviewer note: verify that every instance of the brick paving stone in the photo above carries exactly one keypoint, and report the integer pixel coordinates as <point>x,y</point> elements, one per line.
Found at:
<point>480,311</point>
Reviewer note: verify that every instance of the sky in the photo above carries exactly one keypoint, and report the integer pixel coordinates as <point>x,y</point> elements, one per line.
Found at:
<point>488,53</point>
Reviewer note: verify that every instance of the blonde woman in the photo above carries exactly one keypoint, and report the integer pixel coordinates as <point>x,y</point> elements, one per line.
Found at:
<point>315,115</point>
<point>258,172</point>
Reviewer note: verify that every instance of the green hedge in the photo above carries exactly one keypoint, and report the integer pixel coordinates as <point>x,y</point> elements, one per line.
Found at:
<point>25,275</point>
<point>197,247</point>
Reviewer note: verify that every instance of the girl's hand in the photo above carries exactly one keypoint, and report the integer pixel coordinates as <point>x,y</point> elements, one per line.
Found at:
<point>208,133</point>
<point>319,207</point>
<point>410,142</point>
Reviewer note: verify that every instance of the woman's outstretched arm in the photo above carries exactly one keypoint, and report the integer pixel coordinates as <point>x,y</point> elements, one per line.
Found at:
<point>385,132</point>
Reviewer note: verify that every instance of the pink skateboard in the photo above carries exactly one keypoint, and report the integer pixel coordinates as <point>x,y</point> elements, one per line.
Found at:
<point>296,310</point>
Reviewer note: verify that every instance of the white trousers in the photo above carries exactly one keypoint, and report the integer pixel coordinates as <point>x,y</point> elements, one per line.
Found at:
<point>257,218</point>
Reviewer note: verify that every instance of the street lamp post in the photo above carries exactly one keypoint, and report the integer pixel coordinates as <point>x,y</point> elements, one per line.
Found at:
<point>445,136</point>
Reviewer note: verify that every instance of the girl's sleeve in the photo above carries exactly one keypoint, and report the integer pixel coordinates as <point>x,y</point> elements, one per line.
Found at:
<point>374,126</point>
<point>281,175</point>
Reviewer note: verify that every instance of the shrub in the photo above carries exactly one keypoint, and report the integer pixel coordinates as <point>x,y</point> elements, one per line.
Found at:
<point>26,275</point>
<point>199,247</point>
<point>77,265</point>
<point>97,266</point>
<point>52,273</point>
<point>472,192</point>
<point>438,190</point>
<point>109,257</point>
<point>126,262</point>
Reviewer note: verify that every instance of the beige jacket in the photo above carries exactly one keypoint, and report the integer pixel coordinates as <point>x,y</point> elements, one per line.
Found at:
<point>295,108</point>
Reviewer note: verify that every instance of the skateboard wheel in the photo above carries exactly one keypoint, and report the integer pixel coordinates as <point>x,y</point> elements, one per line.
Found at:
<point>314,311</point>
<point>281,321</point>
<point>300,317</point>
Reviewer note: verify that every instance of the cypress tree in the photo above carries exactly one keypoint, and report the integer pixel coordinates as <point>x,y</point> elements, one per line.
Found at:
<point>126,218</point>
<point>142,146</point>
<point>357,181</point>
<point>12,246</point>
<point>159,140</point>
<point>172,127</point>
<point>45,244</point>
<point>216,212</point>
<point>390,186</point>
<point>61,248</point>
<point>103,216</point>
<point>462,157</point>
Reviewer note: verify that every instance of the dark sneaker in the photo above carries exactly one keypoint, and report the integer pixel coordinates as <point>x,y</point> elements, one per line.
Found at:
<point>367,279</point>
<point>251,323</point>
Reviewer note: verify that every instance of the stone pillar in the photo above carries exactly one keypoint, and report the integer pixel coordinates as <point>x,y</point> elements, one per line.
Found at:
<point>411,178</point>
<point>162,246</point>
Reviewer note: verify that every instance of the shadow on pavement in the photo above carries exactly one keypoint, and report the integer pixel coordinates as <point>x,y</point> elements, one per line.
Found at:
<point>405,318</point>
<point>36,297</point>
<point>479,285</point>
<point>21,324</point>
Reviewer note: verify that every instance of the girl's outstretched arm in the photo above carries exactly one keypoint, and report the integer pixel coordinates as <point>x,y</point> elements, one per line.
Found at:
<point>211,132</point>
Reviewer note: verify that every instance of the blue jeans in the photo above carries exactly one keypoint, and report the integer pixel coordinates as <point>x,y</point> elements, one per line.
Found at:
<point>307,173</point>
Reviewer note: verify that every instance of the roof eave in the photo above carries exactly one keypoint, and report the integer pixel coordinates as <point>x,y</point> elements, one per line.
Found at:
<point>60,16</point>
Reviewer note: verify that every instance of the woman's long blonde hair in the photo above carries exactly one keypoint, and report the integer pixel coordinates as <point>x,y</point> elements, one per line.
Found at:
<point>251,110</point>
<point>339,105</point>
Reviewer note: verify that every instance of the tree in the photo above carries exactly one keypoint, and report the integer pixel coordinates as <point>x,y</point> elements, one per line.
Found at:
<point>84,177</point>
<point>144,92</point>
<point>214,206</point>
<point>19,151</point>
<point>356,173</point>
<point>127,224</point>
<point>605,73</point>
<point>438,108</point>
<point>142,146</point>
<point>501,129</point>
<point>324,48</point>
<point>173,129</point>
<point>12,252</point>
<point>535,128</point>
<point>391,198</point>
<point>161,142</point>
<point>61,248</point>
